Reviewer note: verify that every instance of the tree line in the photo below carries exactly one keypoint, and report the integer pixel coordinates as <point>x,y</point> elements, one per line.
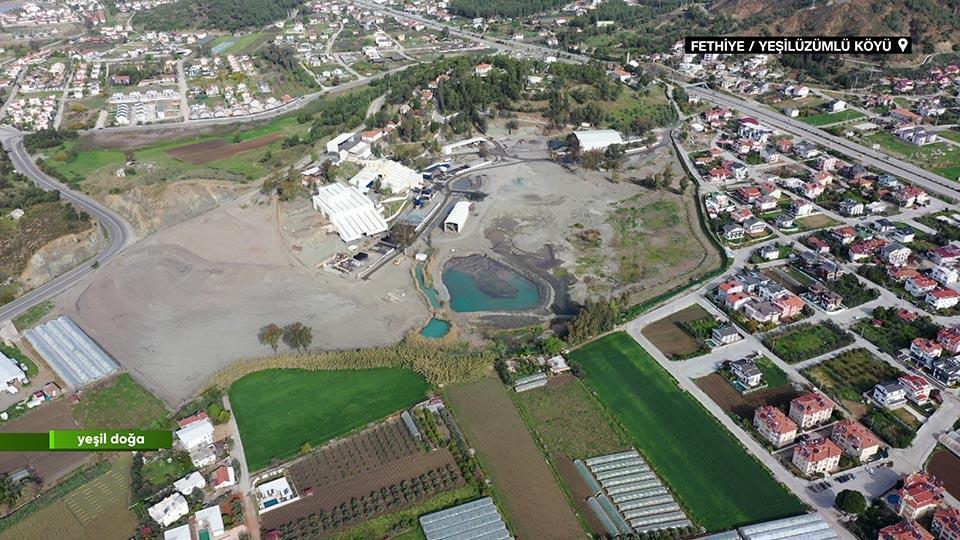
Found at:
<point>502,8</point>
<point>229,15</point>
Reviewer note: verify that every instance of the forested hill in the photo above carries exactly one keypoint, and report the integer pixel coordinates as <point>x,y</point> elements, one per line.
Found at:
<point>229,15</point>
<point>502,8</point>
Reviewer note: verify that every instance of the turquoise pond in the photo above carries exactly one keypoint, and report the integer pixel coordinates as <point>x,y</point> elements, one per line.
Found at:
<point>429,292</point>
<point>435,329</point>
<point>466,295</point>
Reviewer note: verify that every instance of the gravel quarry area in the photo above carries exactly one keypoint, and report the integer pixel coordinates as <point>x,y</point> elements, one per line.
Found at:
<point>186,302</point>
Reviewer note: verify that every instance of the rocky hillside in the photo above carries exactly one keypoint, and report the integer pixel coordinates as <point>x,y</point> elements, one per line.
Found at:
<point>935,23</point>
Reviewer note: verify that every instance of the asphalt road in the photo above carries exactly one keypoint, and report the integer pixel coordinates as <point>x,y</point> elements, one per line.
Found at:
<point>119,233</point>
<point>866,156</point>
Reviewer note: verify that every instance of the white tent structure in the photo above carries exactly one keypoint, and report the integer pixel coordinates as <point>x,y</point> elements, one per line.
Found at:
<point>10,373</point>
<point>598,139</point>
<point>351,212</point>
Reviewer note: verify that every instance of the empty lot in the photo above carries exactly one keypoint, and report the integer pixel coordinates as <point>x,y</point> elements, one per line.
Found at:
<point>670,337</point>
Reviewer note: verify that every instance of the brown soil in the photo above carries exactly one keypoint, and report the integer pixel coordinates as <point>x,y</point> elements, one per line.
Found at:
<point>352,468</point>
<point>946,467</point>
<point>730,400</point>
<point>209,151</point>
<point>669,337</point>
<point>580,493</point>
<point>534,505</point>
<point>50,466</point>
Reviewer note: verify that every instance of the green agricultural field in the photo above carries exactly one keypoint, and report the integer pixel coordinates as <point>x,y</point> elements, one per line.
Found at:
<point>832,118</point>
<point>941,158</point>
<point>279,410</point>
<point>120,403</point>
<point>705,467</point>
<point>805,341</point>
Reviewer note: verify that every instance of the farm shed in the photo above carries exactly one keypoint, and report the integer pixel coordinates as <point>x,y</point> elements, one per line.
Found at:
<point>411,425</point>
<point>457,217</point>
<point>810,526</point>
<point>477,519</point>
<point>351,212</point>
<point>70,352</point>
<point>529,383</point>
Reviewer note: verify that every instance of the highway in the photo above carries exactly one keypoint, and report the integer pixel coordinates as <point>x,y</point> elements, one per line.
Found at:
<point>119,233</point>
<point>865,156</point>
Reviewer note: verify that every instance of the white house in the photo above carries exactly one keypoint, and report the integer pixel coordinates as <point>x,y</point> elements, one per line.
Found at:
<point>190,482</point>
<point>352,213</point>
<point>890,395</point>
<point>196,434</point>
<point>747,372</point>
<point>942,298</point>
<point>210,520</point>
<point>169,510</point>
<point>178,533</point>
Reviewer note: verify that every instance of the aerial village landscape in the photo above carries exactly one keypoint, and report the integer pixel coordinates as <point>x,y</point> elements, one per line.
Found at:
<point>470,269</point>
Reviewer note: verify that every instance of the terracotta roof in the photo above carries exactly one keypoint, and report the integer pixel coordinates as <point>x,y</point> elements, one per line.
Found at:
<point>774,419</point>
<point>817,449</point>
<point>812,403</point>
<point>856,433</point>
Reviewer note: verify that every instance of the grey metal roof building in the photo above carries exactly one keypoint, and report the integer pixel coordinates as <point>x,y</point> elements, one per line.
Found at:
<point>806,527</point>
<point>70,352</point>
<point>477,520</point>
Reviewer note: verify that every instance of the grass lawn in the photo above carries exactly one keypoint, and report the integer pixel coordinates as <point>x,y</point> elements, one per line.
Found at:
<point>773,375</point>
<point>161,472</point>
<point>806,341</point>
<point>950,134</point>
<point>121,403</point>
<point>279,410</point>
<point>706,468</point>
<point>832,118</point>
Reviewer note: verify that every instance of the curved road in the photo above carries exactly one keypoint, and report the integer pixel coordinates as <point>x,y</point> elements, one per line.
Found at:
<point>119,233</point>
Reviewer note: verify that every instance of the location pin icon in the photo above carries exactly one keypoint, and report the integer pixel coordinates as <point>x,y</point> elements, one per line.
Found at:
<point>903,42</point>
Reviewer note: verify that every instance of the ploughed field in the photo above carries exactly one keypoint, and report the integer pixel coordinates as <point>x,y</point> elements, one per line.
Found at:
<point>526,489</point>
<point>279,410</point>
<point>710,473</point>
<point>210,151</point>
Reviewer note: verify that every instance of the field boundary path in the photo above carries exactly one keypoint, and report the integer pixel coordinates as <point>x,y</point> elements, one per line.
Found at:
<point>249,509</point>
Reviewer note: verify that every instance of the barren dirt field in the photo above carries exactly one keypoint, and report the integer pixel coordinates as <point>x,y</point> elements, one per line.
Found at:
<point>210,151</point>
<point>175,308</point>
<point>669,337</point>
<point>946,467</point>
<point>49,465</point>
<point>730,400</point>
<point>535,506</point>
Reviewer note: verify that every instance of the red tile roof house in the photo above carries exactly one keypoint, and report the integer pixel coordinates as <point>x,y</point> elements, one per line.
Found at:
<point>184,422</point>
<point>942,298</point>
<point>949,338</point>
<point>947,254</point>
<point>790,305</point>
<point>905,530</point>
<point>918,388</point>
<point>946,523</point>
<point>774,426</point>
<point>810,409</point>
<point>817,456</point>
<point>920,494</point>
<point>925,350</point>
<point>920,285</point>
<point>855,439</point>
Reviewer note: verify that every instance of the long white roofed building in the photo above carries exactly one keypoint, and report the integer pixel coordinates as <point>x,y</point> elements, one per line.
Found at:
<point>351,212</point>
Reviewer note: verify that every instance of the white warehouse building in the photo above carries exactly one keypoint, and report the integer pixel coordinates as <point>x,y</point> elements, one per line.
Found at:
<point>457,217</point>
<point>598,139</point>
<point>392,175</point>
<point>351,212</point>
